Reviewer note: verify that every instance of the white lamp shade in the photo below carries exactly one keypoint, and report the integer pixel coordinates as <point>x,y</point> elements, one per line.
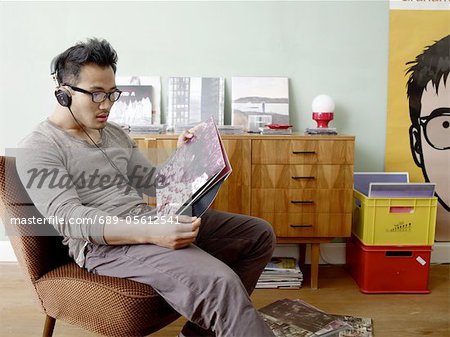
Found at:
<point>323,103</point>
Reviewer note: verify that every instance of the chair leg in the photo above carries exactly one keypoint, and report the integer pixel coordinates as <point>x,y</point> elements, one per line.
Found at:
<point>49,326</point>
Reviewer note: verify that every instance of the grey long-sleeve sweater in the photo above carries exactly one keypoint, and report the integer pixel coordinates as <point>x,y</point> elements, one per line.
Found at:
<point>72,183</point>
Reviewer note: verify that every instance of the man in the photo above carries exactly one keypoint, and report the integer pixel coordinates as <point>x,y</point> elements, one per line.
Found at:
<point>429,108</point>
<point>78,167</point>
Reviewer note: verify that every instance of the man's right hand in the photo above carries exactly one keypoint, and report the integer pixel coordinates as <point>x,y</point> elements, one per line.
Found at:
<point>175,235</point>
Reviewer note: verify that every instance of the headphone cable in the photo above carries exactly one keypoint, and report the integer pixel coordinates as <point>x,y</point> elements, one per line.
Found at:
<point>96,145</point>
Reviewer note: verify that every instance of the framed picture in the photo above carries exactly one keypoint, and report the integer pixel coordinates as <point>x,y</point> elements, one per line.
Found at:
<point>195,99</point>
<point>140,103</point>
<point>257,101</point>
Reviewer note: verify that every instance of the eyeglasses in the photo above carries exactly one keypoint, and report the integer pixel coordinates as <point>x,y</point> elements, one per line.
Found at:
<point>99,96</point>
<point>436,127</point>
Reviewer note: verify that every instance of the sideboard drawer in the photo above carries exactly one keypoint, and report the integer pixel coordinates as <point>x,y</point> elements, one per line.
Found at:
<point>302,176</point>
<point>301,200</point>
<point>302,152</point>
<point>287,225</point>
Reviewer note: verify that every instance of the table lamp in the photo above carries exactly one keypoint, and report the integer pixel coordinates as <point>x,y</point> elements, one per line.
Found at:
<point>323,110</point>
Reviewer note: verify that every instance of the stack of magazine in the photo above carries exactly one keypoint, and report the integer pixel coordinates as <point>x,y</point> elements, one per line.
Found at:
<point>151,128</point>
<point>296,318</point>
<point>321,131</point>
<point>231,129</point>
<point>269,131</point>
<point>281,272</point>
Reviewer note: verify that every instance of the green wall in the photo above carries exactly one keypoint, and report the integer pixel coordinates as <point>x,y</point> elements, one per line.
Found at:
<point>338,47</point>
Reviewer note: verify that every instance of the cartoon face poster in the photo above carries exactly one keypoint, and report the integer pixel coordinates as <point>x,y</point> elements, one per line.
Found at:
<point>418,119</point>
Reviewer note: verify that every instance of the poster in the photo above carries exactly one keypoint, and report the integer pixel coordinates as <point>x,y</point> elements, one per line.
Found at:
<point>418,117</point>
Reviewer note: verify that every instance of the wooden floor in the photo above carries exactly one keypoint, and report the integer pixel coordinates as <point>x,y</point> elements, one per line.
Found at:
<point>394,315</point>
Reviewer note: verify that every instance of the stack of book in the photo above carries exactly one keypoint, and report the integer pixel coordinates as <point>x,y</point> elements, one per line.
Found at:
<point>269,131</point>
<point>180,128</point>
<point>150,129</point>
<point>321,131</point>
<point>281,272</point>
<point>230,129</point>
<point>296,318</point>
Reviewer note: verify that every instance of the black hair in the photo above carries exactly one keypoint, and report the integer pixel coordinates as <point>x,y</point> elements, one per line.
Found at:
<point>97,51</point>
<point>431,65</point>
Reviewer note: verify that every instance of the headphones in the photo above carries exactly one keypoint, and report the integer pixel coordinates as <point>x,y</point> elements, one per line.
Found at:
<point>63,96</point>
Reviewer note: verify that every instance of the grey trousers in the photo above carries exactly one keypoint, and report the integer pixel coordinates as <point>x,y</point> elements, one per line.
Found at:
<point>208,282</point>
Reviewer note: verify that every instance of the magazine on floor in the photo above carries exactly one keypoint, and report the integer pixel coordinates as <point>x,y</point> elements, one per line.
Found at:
<point>296,318</point>
<point>357,326</point>
<point>285,264</point>
<point>192,176</point>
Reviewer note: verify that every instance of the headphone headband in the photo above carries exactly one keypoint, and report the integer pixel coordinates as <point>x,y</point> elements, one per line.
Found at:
<point>54,71</point>
<point>62,95</point>
<point>53,65</point>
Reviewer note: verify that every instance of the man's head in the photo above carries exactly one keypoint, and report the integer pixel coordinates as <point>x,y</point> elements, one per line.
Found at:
<point>85,74</point>
<point>68,64</point>
<point>429,109</point>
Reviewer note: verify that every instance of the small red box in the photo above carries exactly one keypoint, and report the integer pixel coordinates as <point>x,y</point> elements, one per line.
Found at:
<point>388,269</point>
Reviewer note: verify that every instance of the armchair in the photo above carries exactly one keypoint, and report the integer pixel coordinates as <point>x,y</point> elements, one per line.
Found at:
<point>106,305</point>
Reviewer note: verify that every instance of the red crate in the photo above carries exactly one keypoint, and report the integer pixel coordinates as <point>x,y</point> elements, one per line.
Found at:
<point>388,269</point>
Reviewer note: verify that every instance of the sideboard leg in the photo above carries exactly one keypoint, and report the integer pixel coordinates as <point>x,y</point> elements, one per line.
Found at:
<point>301,255</point>
<point>315,254</point>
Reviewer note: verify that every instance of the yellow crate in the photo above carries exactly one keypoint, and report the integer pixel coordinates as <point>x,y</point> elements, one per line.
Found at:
<point>394,221</point>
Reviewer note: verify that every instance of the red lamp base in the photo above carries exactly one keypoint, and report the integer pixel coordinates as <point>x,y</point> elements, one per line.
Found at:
<point>322,118</point>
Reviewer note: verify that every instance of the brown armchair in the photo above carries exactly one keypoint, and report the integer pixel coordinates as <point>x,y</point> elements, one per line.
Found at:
<point>105,305</point>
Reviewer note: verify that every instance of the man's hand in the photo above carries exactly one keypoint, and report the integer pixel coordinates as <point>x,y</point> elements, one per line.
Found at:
<point>187,135</point>
<point>177,235</point>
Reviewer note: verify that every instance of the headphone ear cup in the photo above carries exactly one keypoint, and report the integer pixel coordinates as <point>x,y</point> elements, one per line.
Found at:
<point>63,97</point>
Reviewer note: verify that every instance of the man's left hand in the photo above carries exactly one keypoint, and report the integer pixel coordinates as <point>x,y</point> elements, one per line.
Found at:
<point>187,135</point>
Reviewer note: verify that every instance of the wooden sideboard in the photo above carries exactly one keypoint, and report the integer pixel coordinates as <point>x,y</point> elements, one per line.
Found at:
<point>301,184</point>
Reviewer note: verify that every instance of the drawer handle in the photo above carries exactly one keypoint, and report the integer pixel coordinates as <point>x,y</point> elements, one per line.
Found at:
<point>303,177</point>
<point>302,201</point>
<point>301,226</point>
<point>304,152</point>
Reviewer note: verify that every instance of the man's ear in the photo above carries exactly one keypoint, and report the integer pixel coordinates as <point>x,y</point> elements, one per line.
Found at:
<point>416,145</point>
